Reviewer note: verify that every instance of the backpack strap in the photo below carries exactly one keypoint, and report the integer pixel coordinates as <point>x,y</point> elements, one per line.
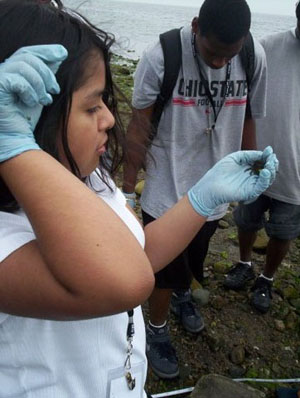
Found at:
<point>171,46</point>
<point>247,55</point>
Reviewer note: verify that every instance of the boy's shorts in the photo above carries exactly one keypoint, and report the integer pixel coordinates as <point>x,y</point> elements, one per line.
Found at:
<point>180,272</point>
<point>281,220</point>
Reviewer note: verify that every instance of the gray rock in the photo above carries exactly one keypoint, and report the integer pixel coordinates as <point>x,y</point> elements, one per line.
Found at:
<point>223,224</point>
<point>215,386</point>
<point>201,296</point>
<point>206,274</point>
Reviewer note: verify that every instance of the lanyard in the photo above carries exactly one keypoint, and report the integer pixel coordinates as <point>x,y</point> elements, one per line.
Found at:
<point>127,366</point>
<point>206,86</point>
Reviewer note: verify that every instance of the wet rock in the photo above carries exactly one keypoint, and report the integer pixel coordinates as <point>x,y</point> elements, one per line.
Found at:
<point>286,357</point>
<point>216,386</point>
<point>223,224</point>
<point>237,355</point>
<point>261,241</point>
<point>221,267</point>
<point>279,325</point>
<point>201,296</point>
<point>291,321</point>
<point>290,292</point>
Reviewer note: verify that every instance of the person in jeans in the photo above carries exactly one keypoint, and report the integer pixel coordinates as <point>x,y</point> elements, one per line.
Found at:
<point>278,209</point>
<point>199,125</point>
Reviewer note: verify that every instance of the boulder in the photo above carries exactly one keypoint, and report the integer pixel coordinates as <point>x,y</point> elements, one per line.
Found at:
<point>216,386</point>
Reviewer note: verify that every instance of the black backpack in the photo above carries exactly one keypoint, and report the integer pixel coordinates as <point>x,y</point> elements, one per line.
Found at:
<point>171,46</point>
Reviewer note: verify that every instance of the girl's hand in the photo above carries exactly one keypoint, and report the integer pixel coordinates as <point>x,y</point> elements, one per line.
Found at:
<point>27,80</point>
<point>233,178</point>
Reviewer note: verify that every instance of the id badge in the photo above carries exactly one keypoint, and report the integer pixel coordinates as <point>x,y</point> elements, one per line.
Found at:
<point>117,384</point>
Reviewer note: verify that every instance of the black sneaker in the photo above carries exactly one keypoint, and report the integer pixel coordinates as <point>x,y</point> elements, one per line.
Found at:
<point>262,294</point>
<point>185,310</point>
<point>238,276</point>
<point>160,352</point>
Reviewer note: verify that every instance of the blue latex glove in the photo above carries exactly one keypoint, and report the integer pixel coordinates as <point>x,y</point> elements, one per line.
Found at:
<point>27,80</point>
<point>231,180</point>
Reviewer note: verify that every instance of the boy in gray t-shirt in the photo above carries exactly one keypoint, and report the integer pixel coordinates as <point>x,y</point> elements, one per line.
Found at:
<point>280,129</point>
<point>200,124</point>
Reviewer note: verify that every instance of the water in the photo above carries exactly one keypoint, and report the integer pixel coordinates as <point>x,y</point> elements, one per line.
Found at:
<point>137,25</point>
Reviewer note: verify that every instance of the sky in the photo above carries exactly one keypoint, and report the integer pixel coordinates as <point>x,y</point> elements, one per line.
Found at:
<point>282,7</point>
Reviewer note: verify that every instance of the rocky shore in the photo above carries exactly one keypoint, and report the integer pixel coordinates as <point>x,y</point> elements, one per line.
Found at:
<point>237,342</point>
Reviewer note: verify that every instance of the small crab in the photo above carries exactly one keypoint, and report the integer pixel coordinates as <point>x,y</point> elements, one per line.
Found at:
<point>256,167</point>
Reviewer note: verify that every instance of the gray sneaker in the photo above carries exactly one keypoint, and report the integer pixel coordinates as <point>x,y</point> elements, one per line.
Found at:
<point>185,310</point>
<point>160,353</point>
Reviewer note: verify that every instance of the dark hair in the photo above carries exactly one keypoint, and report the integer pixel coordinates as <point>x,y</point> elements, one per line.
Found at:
<point>228,20</point>
<point>32,22</point>
<point>298,10</point>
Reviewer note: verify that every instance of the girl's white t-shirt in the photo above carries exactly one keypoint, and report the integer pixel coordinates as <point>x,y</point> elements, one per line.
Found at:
<point>78,359</point>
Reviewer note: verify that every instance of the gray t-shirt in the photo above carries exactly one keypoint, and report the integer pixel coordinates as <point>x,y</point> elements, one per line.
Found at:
<point>281,127</point>
<point>182,151</point>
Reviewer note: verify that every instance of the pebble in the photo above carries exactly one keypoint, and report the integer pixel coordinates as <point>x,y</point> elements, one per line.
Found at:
<point>279,325</point>
<point>237,355</point>
<point>201,296</point>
